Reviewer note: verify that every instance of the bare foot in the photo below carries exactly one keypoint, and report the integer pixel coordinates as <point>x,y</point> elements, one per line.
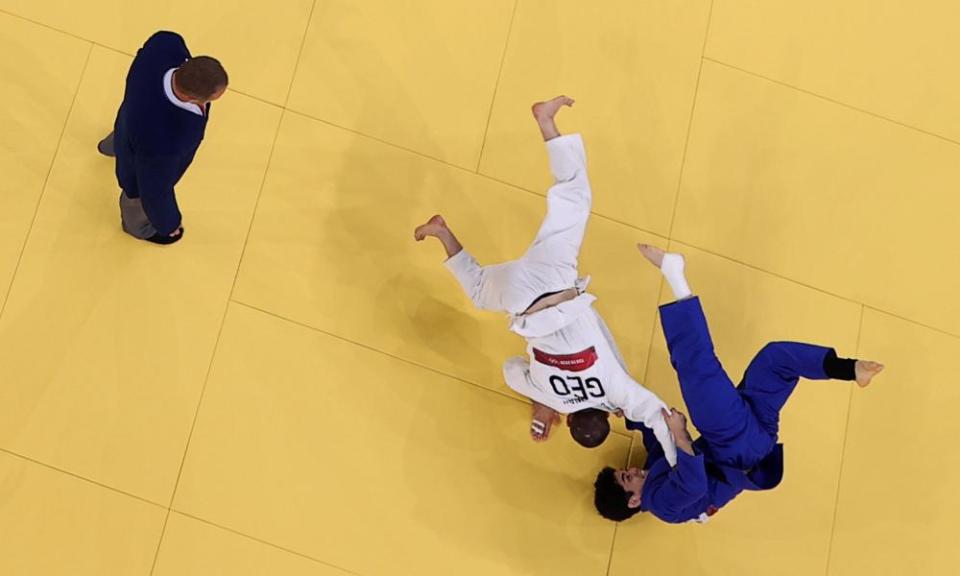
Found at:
<point>652,253</point>
<point>432,227</point>
<point>865,371</point>
<point>542,421</point>
<point>545,111</point>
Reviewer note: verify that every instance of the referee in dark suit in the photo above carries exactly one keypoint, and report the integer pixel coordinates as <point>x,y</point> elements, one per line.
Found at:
<point>159,127</point>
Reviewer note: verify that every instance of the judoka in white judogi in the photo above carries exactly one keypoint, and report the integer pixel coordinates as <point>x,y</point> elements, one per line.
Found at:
<point>573,361</point>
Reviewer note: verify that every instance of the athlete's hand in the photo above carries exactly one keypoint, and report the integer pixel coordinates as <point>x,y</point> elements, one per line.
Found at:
<point>676,421</point>
<point>677,424</point>
<point>543,420</point>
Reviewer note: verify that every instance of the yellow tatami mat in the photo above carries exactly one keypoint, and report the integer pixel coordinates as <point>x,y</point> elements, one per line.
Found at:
<point>299,388</point>
<point>373,51</point>
<point>33,109</point>
<point>898,500</point>
<point>427,472</point>
<point>634,84</point>
<point>823,194</point>
<point>54,523</point>
<point>888,57</point>
<point>105,342</point>
<point>194,548</point>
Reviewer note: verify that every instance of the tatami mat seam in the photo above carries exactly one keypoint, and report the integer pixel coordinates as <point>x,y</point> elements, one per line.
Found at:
<point>832,100</point>
<point>80,477</point>
<point>496,86</point>
<point>616,525</point>
<point>940,331</point>
<point>693,110</point>
<point>262,541</point>
<point>843,452</point>
<point>816,289</point>
<point>163,532</point>
<point>613,544</point>
<point>46,180</point>
<point>47,26</point>
<point>296,64</point>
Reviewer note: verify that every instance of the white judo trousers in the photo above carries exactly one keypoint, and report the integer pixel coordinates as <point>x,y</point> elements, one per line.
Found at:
<point>573,363</point>
<point>550,263</point>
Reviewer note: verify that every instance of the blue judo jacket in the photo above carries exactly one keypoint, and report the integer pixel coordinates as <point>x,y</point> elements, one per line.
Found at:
<point>698,487</point>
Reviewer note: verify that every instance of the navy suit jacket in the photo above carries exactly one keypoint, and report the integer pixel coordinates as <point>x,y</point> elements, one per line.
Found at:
<point>155,140</point>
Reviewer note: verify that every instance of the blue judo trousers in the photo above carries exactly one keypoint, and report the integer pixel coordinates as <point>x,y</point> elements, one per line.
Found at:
<point>738,448</point>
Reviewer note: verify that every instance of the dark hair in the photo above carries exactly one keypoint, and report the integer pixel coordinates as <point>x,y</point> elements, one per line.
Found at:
<point>201,77</point>
<point>589,427</point>
<point>611,500</point>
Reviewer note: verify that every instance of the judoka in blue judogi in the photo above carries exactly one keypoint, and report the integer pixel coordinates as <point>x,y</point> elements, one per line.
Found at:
<point>739,424</point>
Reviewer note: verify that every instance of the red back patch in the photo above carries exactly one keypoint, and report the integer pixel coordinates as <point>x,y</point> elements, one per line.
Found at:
<point>570,362</point>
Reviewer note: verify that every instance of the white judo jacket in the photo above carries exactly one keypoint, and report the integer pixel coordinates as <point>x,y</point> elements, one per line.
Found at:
<point>574,364</point>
